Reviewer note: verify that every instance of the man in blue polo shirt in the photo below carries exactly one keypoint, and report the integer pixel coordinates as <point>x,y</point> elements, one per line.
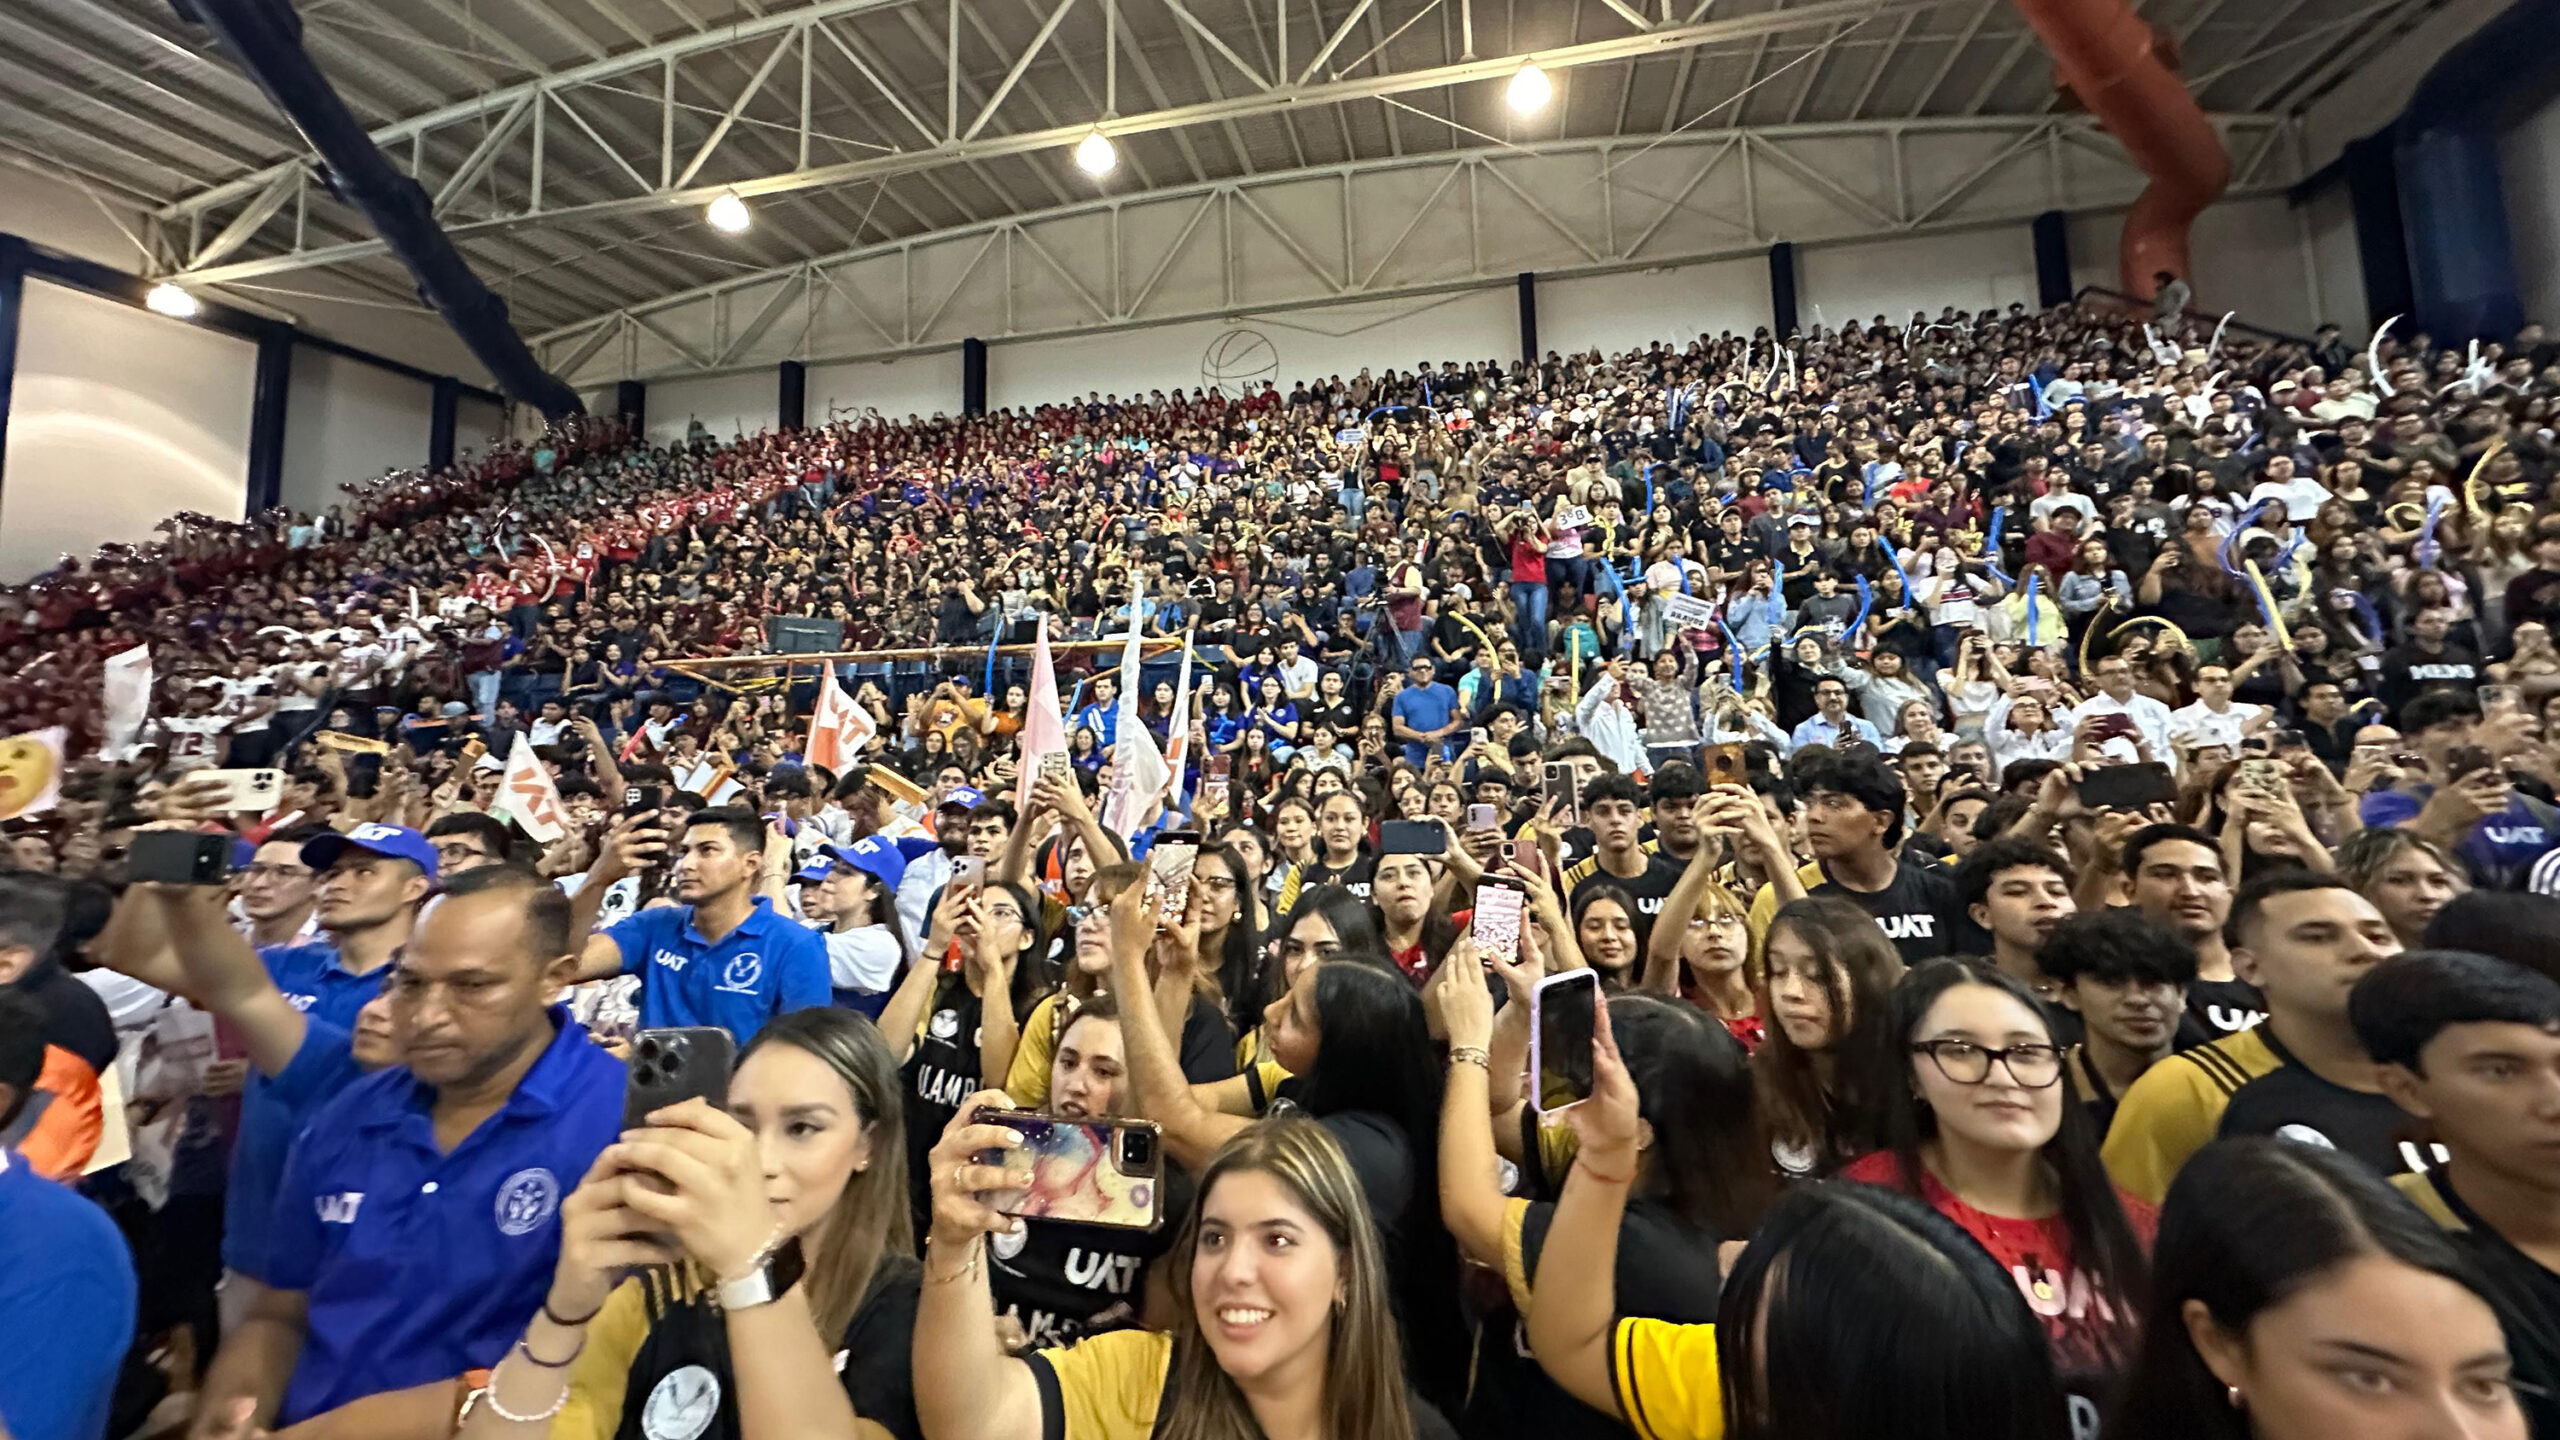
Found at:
<point>722,957</point>
<point>417,1225</point>
<point>372,881</point>
<point>66,1279</point>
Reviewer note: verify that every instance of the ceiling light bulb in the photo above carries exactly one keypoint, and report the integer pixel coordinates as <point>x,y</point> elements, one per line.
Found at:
<point>1095,154</point>
<point>167,299</point>
<point>1529,90</point>
<point>728,214</point>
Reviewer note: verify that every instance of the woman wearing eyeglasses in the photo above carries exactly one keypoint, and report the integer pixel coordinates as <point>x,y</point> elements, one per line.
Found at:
<point>1978,1125</point>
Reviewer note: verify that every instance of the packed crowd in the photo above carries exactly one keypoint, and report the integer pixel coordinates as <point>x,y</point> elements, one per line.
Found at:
<point>1982,877</point>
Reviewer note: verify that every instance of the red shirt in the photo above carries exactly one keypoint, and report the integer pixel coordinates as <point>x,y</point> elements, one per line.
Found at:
<point>2078,1315</point>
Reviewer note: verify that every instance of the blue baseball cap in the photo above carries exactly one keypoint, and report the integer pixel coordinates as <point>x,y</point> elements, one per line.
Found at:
<point>396,841</point>
<point>962,797</point>
<point>877,856</point>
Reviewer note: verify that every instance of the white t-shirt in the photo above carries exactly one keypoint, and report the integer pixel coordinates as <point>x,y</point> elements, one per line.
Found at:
<point>194,742</point>
<point>2199,725</point>
<point>864,959</point>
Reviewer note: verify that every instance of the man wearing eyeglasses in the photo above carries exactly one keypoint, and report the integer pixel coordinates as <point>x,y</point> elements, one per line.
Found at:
<point>279,894</point>
<point>467,841</point>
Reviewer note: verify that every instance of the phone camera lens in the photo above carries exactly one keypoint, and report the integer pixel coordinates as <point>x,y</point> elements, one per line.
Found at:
<point>1137,1149</point>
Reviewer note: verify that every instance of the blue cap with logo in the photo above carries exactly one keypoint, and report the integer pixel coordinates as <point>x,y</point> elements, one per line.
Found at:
<point>962,797</point>
<point>396,841</point>
<point>877,856</point>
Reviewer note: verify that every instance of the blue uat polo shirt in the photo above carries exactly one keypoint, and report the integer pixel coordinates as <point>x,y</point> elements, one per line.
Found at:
<point>768,966</point>
<point>316,982</point>
<point>271,1115</point>
<point>421,1264</point>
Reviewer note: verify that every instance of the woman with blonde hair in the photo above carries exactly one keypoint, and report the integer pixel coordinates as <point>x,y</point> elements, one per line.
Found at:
<point>741,1274</point>
<point>1282,1319</point>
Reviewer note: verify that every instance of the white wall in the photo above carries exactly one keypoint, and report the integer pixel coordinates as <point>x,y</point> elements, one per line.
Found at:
<point>1623,311</point>
<point>2249,256</point>
<point>1286,346</point>
<point>2529,158</point>
<point>347,421</point>
<point>911,385</point>
<point>475,422</point>
<point>120,419</point>
<point>725,404</point>
<point>1974,270</point>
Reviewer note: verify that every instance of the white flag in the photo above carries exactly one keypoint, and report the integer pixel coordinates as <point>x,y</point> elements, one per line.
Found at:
<point>128,694</point>
<point>1138,772</point>
<point>838,728</point>
<point>528,797</point>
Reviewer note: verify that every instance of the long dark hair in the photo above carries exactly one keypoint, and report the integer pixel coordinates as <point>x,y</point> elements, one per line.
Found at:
<point>1243,966</point>
<point>1710,1158</point>
<point>1375,1054</point>
<point>1859,968</point>
<point>2101,1238</point>
<point>2248,1223</point>
<point>1354,929</point>
<point>1858,1313</point>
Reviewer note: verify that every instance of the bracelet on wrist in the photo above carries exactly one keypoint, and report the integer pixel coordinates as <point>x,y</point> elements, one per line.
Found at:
<point>1470,1055</point>
<point>1583,1163</point>
<point>975,1248</point>
<point>563,1322</point>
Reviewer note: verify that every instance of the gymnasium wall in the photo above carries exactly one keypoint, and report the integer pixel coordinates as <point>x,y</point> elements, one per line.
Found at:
<point>2529,158</point>
<point>348,421</point>
<point>119,419</point>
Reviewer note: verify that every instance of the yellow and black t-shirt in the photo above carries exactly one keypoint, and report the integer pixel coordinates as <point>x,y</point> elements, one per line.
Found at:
<point>1355,877</point>
<point>1113,1387</point>
<point>656,1362</point>
<point>2245,1084</point>
<point>1208,1049</point>
<point>1667,1378</point>
<point>1666,1270</point>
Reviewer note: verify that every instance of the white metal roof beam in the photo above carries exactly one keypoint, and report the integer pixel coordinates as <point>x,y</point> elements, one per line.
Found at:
<point>1812,16</point>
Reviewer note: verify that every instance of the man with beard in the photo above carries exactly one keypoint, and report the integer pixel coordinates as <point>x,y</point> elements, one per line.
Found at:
<point>927,873</point>
<point>721,956</point>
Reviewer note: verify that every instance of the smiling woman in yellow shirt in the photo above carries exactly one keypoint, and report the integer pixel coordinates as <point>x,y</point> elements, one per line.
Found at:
<point>1855,1313</point>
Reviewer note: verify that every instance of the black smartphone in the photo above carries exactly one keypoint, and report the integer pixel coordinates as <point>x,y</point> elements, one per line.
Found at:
<point>642,799</point>
<point>2127,787</point>
<point>2464,760</point>
<point>1562,1022</point>
<point>1413,837</point>
<point>178,857</point>
<point>671,1066</point>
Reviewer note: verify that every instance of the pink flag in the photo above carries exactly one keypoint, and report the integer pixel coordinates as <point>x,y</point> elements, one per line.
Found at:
<point>1044,729</point>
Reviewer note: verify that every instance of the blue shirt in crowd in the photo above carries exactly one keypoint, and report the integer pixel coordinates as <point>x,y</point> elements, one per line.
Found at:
<point>272,1112</point>
<point>768,966</point>
<point>66,1308</point>
<point>421,1264</point>
<point>316,982</point>
<point>1424,708</point>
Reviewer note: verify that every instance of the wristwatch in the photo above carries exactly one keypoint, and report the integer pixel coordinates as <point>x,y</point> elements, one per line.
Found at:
<point>770,1280</point>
